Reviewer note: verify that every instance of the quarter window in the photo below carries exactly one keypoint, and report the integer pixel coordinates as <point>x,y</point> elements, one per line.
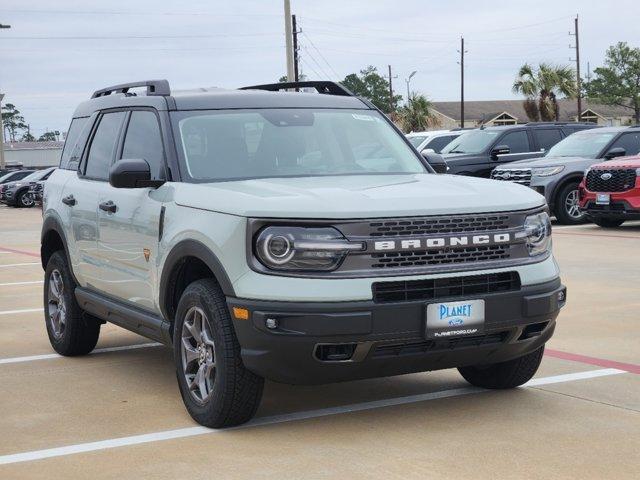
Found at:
<point>518,142</point>
<point>144,141</point>
<point>103,146</point>
<point>69,159</point>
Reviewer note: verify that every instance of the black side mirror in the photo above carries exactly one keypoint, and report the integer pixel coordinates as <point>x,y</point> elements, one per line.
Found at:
<point>500,150</point>
<point>436,160</point>
<point>132,173</point>
<point>615,152</point>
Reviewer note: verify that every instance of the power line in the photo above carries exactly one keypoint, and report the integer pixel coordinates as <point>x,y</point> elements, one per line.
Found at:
<point>141,37</point>
<point>316,62</point>
<point>310,67</point>
<point>132,13</point>
<point>321,55</point>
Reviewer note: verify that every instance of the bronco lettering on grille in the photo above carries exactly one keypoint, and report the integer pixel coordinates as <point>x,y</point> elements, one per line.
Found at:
<point>441,242</point>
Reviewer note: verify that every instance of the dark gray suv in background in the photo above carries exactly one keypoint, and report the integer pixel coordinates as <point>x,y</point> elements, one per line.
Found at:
<point>558,174</point>
<point>479,151</point>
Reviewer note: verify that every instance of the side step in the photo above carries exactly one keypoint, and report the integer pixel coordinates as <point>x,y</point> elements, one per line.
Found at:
<point>130,318</point>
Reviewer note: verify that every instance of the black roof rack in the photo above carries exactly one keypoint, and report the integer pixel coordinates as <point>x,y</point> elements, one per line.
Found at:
<point>154,87</point>
<point>322,86</point>
<point>558,123</point>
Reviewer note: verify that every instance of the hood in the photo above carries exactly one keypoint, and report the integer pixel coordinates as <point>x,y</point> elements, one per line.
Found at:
<point>622,162</point>
<point>548,162</point>
<point>357,196</point>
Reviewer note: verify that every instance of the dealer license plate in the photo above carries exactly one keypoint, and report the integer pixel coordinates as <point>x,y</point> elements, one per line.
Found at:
<point>603,199</point>
<point>455,319</point>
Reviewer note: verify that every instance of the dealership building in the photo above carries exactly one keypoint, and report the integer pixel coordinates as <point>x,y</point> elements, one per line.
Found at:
<point>33,154</point>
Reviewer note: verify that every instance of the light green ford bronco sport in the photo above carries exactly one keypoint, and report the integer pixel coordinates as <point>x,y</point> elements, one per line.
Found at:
<point>292,236</point>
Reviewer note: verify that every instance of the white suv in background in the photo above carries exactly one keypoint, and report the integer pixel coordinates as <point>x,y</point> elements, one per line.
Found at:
<point>434,140</point>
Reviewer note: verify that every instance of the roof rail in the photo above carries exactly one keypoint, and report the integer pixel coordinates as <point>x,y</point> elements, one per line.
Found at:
<point>558,123</point>
<point>322,86</point>
<point>154,87</point>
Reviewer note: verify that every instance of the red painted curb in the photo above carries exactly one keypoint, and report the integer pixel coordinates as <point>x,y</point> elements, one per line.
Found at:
<point>600,362</point>
<point>21,252</point>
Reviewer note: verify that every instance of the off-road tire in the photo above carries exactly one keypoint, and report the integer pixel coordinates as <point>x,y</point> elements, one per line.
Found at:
<point>81,331</point>
<point>510,374</point>
<point>608,222</point>
<point>236,392</point>
<point>561,213</point>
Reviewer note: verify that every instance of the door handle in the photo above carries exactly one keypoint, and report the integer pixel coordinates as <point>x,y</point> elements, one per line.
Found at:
<point>69,200</point>
<point>108,206</point>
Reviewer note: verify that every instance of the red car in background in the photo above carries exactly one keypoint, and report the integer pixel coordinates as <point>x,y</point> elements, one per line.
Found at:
<point>610,192</point>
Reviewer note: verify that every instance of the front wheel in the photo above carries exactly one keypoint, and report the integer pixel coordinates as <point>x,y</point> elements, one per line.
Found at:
<point>608,222</point>
<point>25,200</point>
<point>217,390</point>
<point>567,208</point>
<point>509,374</point>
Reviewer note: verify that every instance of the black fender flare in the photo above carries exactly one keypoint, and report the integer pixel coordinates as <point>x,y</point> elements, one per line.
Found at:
<point>191,248</point>
<point>53,223</point>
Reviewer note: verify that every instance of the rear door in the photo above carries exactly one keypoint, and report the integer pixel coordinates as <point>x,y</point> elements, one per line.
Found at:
<point>129,232</point>
<point>81,194</point>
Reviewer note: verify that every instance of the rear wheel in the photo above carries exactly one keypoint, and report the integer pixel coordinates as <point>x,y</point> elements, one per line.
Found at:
<point>71,331</point>
<point>217,390</point>
<point>567,208</point>
<point>509,374</point>
<point>608,222</point>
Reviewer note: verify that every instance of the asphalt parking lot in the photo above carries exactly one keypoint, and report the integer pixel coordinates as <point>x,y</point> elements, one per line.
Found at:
<point>118,414</point>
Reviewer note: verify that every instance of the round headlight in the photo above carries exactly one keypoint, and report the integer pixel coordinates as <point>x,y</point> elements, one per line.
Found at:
<point>276,249</point>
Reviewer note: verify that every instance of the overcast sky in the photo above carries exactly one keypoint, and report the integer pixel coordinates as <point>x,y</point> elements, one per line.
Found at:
<point>57,53</point>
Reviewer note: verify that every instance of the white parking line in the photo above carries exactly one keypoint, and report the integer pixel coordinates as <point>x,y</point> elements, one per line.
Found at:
<point>50,356</point>
<point>290,417</point>
<point>25,310</point>
<point>11,284</point>
<point>20,264</point>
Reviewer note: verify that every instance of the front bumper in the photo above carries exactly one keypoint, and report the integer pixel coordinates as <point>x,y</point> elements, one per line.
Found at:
<point>387,338</point>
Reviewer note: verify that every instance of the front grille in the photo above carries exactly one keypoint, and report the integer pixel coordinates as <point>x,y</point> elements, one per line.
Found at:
<point>520,175</point>
<point>448,287</point>
<point>442,225</point>
<point>424,346</point>
<point>621,180</point>
<point>440,256</point>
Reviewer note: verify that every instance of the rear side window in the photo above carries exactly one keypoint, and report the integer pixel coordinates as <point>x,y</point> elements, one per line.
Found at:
<point>518,142</point>
<point>629,141</point>
<point>73,136</point>
<point>103,146</point>
<point>438,143</point>
<point>143,140</point>
<point>547,137</point>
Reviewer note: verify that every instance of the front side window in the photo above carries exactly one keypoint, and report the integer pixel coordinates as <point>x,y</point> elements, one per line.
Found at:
<point>630,142</point>
<point>475,141</point>
<point>587,144</point>
<point>228,145</point>
<point>143,141</point>
<point>518,142</point>
<point>103,146</point>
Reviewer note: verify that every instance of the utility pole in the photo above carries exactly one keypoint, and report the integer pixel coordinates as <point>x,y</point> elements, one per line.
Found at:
<point>288,40</point>
<point>462,52</point>
<point>296,75</point>
<point>577,59</point>
<point>391,104</point>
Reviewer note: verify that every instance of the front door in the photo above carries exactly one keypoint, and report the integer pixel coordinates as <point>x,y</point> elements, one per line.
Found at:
<point>129,219</point>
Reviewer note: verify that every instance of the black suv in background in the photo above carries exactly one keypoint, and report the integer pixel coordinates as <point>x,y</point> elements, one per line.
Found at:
<point>479,151</point>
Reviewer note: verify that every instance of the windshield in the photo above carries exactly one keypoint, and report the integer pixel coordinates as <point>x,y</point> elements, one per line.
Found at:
<point>35,176</point>
<point>244,144</point>
<point>475,141</point>
<point>416,140</point>
<point>587,145</point>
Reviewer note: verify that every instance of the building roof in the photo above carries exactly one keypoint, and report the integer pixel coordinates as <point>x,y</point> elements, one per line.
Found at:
<point>33,145</point>
<point>489,109</point>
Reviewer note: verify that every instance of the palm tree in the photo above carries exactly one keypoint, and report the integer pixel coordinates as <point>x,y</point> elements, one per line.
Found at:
<point>542,87</point>
<point>417,114</point>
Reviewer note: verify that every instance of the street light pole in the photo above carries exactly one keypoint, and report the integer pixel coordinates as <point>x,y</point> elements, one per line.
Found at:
<point>1,124</point>
<point>408,80</point>
<point>289,41</point>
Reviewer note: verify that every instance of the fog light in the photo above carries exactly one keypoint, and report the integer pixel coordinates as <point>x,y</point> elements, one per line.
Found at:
<point>562,295</point>
<point>271,323</point>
